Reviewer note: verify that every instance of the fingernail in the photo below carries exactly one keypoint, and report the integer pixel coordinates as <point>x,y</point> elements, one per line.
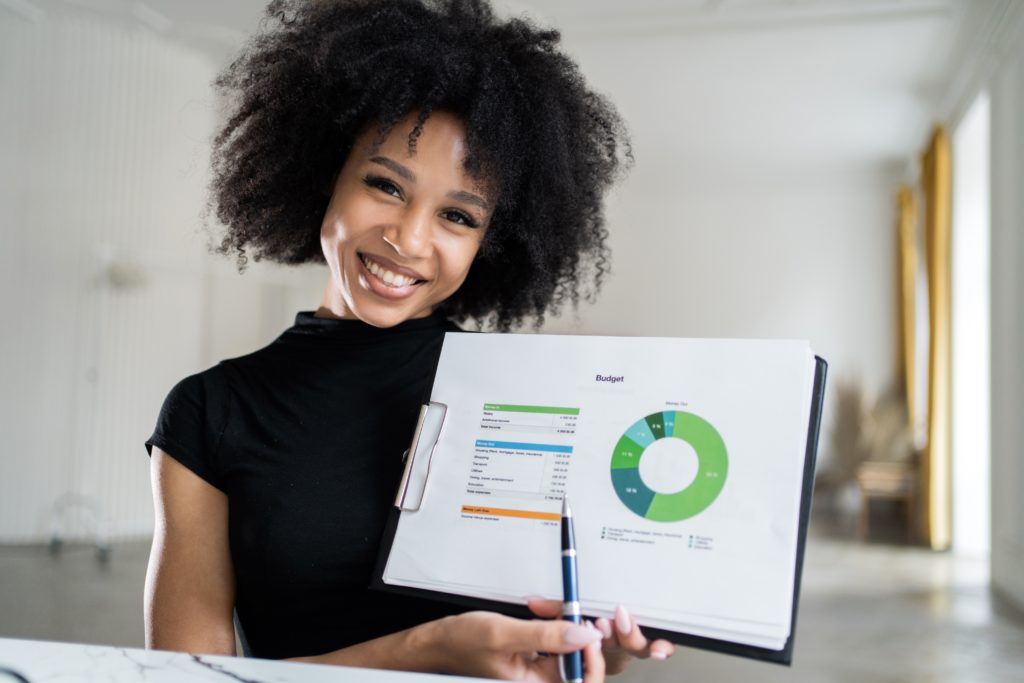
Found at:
<point>622,621</point>
<point>581,635</point>
<point>605,627</point>
<point>658,654</point>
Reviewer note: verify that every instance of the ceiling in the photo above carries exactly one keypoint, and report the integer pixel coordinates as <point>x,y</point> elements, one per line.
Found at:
<point>712,87</point>
<point>740,89</point>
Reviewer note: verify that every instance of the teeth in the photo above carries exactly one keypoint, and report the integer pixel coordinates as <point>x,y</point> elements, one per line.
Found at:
<point>389,278</point>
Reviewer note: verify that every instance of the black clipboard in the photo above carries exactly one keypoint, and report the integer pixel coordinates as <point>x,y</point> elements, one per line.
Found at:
<point>421,447</point>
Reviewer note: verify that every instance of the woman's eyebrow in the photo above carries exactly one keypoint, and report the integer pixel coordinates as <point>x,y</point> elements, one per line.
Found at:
<point>469,198</point>
<point>396,167</point>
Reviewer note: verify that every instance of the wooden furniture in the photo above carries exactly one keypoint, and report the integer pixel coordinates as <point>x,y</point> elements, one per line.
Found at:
<point>878,480</point>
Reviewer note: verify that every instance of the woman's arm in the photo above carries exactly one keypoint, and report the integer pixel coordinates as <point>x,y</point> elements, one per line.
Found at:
<point>190,594</point>
<point>190,585</point>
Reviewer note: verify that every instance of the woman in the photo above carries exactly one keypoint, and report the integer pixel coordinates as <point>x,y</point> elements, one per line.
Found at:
<point>446,166</point>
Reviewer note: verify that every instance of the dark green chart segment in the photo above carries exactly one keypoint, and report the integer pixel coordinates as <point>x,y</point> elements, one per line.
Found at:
<point>712,466</point>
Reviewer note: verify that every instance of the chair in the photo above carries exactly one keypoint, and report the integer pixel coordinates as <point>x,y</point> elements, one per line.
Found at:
<point>878,480</point>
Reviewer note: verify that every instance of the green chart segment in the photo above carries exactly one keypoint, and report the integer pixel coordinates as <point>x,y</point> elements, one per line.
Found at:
<point>712,459</point>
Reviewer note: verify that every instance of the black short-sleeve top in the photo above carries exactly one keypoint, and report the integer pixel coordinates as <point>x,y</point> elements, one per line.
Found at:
<point>306,437</point>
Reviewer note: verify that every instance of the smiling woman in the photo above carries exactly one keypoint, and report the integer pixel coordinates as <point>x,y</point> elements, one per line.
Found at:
<point>445,165</point>
<point>537,145</point>
<point>402,230</point>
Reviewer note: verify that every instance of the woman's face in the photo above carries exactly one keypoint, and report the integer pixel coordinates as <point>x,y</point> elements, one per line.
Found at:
<point>401,230</point>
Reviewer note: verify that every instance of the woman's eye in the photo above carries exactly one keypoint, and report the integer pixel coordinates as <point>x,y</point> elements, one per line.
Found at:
<point>384,185</point>
<point>460,218</point>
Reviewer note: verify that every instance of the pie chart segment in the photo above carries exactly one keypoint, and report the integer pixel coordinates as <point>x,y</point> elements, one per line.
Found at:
<point>657,425</point>
<point>668,418</point>
<point>641,433</point>
<point>627,454</point>
<point>632,490</point>
<point>712,468</point>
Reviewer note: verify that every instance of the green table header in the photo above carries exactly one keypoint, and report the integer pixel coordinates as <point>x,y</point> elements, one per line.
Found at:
<point>499,407</point>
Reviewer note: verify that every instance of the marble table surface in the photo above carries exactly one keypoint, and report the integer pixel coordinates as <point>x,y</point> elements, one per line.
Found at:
<point>38,661</point>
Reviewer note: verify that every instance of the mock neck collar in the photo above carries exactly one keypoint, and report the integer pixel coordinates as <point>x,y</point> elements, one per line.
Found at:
<point>308,322</point>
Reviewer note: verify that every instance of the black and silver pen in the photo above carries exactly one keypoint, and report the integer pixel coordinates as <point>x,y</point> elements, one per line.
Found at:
<point>571,664</point>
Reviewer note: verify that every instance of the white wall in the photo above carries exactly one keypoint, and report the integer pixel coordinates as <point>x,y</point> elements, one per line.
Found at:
<point>107,292</point>
<point>761,203</point>
<point>971,339</point>
<point>808,258</point>
<point>100,161</point>
<point>996,65</point>
<point>1007,91</point>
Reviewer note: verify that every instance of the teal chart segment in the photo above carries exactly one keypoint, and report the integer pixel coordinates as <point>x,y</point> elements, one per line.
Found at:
<point>712,466</point>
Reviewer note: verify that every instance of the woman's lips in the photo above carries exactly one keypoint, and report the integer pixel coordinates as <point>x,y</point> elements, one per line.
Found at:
<point>383,289</point>
<point>388,264</point>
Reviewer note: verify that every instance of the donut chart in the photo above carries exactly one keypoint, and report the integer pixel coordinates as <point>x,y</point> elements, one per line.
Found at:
<point>713,465</point>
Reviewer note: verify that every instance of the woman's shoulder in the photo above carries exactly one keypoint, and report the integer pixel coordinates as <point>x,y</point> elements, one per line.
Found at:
<point>197,397</point>
<point>191,422</point>
<point>198,385</point>
<point>228,371</point>
<point>208,392</point>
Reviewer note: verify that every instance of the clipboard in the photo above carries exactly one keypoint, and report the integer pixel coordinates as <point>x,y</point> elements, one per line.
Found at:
<point>411,491</point>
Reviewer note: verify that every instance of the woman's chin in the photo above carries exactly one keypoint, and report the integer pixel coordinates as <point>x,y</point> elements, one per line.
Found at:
<point>381,305</point>
<point>388,314</point>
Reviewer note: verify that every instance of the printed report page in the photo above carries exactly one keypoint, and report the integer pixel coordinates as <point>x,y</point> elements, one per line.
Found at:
<point>682,460</point>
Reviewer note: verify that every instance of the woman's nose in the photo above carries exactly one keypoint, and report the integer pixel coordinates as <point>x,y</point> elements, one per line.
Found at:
<point>410,235</point>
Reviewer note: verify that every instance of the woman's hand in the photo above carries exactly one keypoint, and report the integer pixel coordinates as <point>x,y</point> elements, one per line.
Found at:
<point>622,637</point>
<point>491,645</point>
<point>483,644</point>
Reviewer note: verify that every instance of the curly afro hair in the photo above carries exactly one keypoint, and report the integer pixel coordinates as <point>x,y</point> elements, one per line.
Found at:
<point>321,72</point>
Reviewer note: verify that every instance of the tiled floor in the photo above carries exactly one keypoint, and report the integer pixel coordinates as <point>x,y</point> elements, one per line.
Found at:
<point>886,614</point>
<point>72,597</point>
<point>868,613</point>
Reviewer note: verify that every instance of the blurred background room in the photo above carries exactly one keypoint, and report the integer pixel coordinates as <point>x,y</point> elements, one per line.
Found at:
<point>845,171</point>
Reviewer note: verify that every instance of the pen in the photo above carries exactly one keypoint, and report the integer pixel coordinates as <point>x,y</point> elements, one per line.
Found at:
<point>571,664</point>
